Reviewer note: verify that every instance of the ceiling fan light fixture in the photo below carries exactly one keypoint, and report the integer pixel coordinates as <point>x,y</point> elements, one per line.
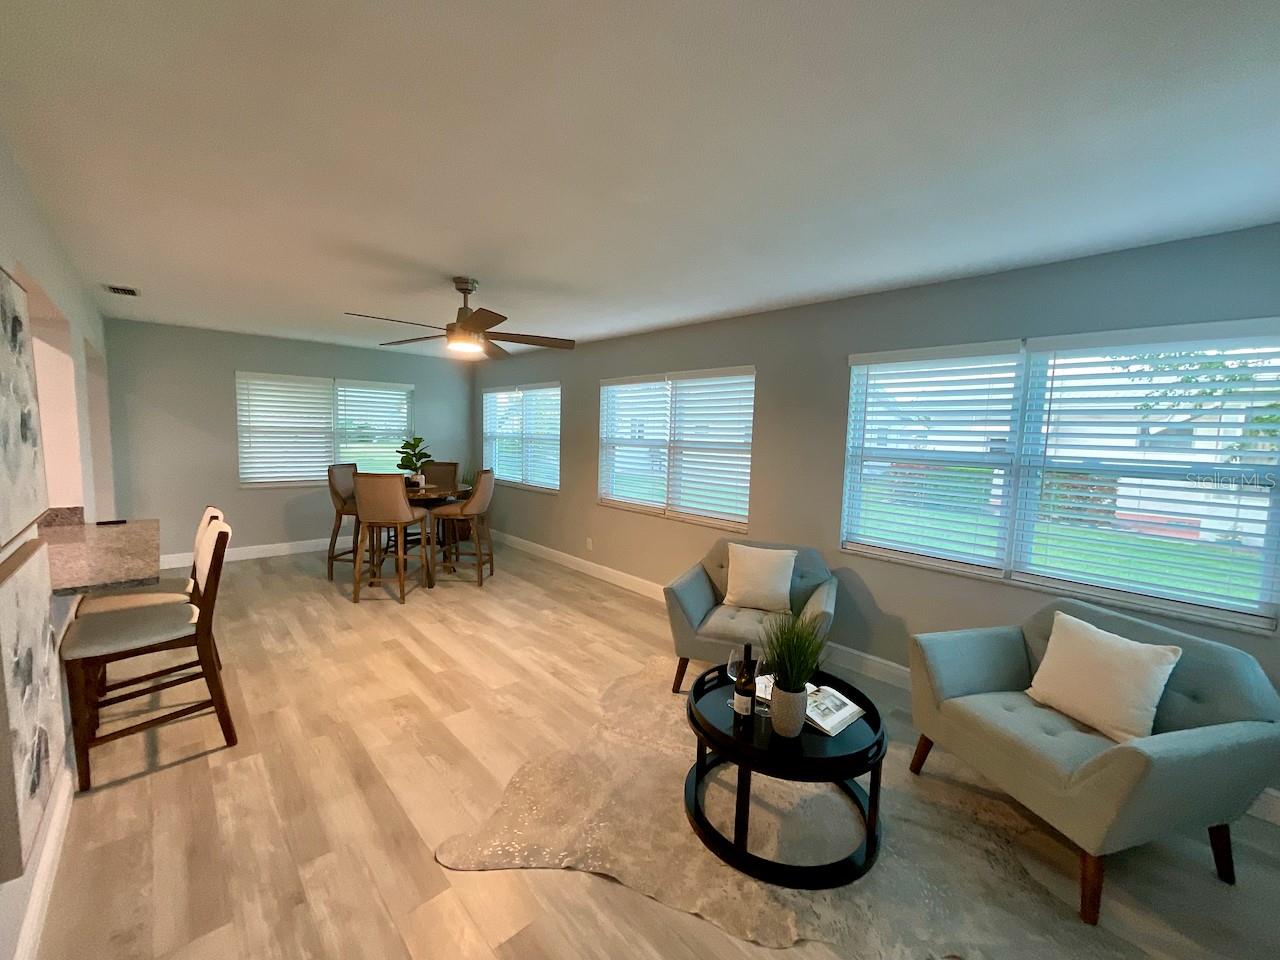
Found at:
<point>464,341</point>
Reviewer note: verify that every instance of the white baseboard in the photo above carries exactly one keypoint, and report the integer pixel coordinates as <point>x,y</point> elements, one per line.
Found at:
<point>168,561</point>
<point>598,570</point>
<point>59,812</point>
<point>1267,806</point>
<point>869,665</point>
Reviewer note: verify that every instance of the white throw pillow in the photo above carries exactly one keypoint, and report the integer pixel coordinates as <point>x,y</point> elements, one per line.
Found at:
<point>760,578</point>
<point>1101,679</point>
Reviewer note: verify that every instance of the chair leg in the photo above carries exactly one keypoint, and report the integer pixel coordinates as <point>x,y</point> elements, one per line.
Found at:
<point>488,539</point>
<point>213,678</point>
<point>1090,887</point>
<point>681,664</point>
<point>78,697</point>
<point>923,746</point>
<point>475,539</point>
<point>400,560</point>
<point>1220,840</point>
<point>333,540</point>
<point>358,562</point>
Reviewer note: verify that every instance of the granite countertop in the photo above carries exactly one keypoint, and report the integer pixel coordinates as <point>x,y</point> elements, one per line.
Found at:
<point>85,557</point>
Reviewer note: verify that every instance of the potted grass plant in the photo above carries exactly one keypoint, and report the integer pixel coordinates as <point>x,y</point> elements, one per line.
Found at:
<point>793,651</point>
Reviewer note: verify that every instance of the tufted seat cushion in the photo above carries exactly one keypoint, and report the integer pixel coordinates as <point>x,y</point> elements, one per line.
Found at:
<point>737,624</point>
<point>1039,741</point>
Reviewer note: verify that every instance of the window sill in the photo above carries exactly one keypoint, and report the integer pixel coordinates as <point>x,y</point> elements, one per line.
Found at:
<point>282,484</point>
<point>532,488</point>
<point>1258,624</point>
<point>732,526</point>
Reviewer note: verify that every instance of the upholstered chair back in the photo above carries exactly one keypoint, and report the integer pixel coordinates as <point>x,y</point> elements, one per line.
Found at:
<point>211,513</point>
<point>208,549</point>
<point>342,477</point>
<point>1212,682</point>
<point>481,495</point>
<point>810,569</point>
<point>381,498</point>
<point>441,473</point>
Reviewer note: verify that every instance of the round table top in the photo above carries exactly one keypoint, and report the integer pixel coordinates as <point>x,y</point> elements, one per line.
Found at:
<point>434,492</point>
<point>811,756</point>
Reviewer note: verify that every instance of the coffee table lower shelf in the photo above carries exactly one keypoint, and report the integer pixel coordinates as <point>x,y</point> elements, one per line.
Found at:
<point>798,876</point>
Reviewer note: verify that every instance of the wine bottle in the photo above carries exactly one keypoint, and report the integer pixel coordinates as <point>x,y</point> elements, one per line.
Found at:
<point>744,688</point>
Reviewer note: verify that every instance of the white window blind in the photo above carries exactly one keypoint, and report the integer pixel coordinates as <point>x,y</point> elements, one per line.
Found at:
<point>521,434</point>
<point>285,427</point>
<point>1148,469</point>
<point>373,419</point>
<point>929,455</point>
<point>291,428</point>
<point>680,444</point>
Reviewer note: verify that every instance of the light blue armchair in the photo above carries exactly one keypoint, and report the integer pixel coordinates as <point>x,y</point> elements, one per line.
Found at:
<point>703,628</point>
<point>1214,747</point>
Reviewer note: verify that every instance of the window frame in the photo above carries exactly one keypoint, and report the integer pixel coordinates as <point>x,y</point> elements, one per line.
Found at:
<point>332,433</point>
<point>1265,621</point>
<point>525,436</point>
<point>671,445</point>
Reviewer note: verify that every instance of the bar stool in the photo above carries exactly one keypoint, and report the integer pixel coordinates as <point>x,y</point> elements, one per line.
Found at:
<point>98,639</point>
<point>343,494</point>
<point>382,506</point>
<point>168,590</point>
<point>441,473</point>
<point>474,511</point>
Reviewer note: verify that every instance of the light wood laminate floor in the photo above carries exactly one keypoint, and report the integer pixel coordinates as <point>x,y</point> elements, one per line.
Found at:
<point>369,733</point>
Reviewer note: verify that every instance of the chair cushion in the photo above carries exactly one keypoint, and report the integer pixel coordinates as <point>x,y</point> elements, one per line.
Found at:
<point>168,590</point>
<point>1102,679</point>
<point>98,634</point>
<point>1025,736</point>
<point>738,624</point>
<point>451,509</point>
<point>809,573</point>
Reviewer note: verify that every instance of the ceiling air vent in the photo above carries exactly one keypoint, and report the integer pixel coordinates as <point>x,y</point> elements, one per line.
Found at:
<point>122,291</point>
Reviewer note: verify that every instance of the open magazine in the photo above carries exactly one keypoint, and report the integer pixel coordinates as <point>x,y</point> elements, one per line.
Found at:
<point>829,710</point>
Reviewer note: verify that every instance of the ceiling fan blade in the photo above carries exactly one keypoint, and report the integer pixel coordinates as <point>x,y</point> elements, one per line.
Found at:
<point>483,319</point>
<point>491,349</point>
<point>396,343</point>
<point>558,343</point>
<point>412,323</point>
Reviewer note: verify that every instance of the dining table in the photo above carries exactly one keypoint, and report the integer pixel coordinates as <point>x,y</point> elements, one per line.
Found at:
<point>429,492</point>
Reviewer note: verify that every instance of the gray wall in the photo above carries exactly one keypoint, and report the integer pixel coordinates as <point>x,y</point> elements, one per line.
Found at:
<point>802,377</point>
<point>173,424</point>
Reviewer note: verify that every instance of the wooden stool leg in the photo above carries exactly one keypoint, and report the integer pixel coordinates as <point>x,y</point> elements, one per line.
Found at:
<point>333,540</point>
<point>400,560</point>
<point>78,697</point>
<point>475,539</point>
<point>358,562</point>
<point>488,539</point>
<point>212,677</point>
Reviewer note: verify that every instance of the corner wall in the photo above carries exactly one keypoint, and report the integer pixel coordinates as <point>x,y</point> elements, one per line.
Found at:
<point>802,384</point>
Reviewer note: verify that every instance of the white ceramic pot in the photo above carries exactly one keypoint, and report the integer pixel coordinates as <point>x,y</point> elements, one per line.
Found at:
<point>419,480</point>
<point>787,712</point>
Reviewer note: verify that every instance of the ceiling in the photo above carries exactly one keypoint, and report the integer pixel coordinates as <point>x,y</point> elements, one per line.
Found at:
<point>609,167</point>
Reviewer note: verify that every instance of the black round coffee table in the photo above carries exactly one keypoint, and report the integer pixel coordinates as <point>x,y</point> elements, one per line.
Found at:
<point>812,757</point>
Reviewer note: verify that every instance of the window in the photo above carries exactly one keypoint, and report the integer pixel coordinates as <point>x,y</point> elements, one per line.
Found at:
<point>522,434</point>
<point>1135,467</point>
<point>680,444</point>
<point>291,428</point>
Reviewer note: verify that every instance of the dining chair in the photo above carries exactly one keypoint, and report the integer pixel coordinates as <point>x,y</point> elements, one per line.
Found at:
<point>382,507</point>
<point>474,513</point>
<point>441,473</point>
<point>98,639</point>
<point>343,494</point>
<point>167,590</point>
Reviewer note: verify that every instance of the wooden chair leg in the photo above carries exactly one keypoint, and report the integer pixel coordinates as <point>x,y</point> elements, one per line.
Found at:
<point>681,664</point>
<point>333,540</point>
<point>78,698</point>
<point>475,539</point>
<point>923,746</point>
<point>488,539</point>
<point>358,563</point>
<point>213,678</point>
<point>1220,841</point>
<point>1090,887</point>
<point>400,560</point>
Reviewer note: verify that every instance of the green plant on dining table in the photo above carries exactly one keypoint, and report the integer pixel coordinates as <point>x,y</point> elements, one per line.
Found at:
<point>793,650</point>
<point>413,455</point>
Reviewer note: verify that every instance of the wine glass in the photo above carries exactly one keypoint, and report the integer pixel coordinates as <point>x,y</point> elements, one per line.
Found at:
<point>734,669</point>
